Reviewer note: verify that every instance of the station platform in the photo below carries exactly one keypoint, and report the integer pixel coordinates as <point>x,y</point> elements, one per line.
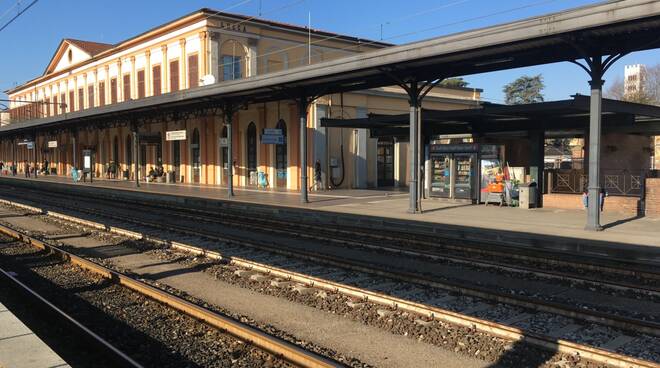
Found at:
<point>21,348</point>
<point>624,237</point>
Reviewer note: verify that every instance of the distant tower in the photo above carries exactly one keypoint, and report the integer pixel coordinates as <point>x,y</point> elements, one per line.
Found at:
<point>633,79</point>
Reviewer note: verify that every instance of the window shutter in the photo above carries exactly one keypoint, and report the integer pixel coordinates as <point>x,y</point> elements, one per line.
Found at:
<point>90,96</point>
<point>193,71</point>
<point>174,75</point>
<point>140,84</point>
<point>113,90</point>
<point>101,93</point>
<point>155,71</point>
<point>81,98</point>
<point>72,101</point>
<point>127,87</point>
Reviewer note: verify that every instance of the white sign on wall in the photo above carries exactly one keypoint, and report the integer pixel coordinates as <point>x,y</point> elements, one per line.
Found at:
<point>175,135</point>
<point>52,144</point>
<point>224,142</point>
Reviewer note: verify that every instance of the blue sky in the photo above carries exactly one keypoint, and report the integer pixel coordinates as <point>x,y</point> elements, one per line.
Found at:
<point>30,41</point>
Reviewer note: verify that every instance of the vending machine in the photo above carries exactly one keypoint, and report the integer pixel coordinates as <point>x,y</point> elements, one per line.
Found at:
<point>463,171</point>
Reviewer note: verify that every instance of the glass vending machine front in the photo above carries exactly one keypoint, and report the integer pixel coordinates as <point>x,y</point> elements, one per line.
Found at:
<point>441,179</point>
<point>463,181</point>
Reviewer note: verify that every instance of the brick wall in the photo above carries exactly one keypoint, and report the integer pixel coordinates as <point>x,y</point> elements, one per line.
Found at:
<point>625,205</point>
<point>652,197</point>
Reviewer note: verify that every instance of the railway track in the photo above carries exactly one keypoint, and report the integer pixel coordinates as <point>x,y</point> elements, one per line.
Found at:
<point>627,335</point>
<point>278,347</point>
<point>109,355</point>
<point>619,275</point>
<point>601,314</point>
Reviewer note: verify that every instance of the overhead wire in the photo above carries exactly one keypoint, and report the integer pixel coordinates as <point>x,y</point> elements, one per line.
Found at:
<point>17,3</point>
<point>18,15</point>
<point>467,20</point>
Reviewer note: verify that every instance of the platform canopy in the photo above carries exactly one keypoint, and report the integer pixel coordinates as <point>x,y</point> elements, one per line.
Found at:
<point>607,28</point>
<point>564,115</point>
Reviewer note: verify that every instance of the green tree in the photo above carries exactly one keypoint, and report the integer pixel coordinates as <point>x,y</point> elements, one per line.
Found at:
<point>524,90</point>
<point>454,82</point>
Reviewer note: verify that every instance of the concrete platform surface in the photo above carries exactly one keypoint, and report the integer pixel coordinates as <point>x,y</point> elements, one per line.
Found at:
<point>21,348</point>
<point>627,237</point>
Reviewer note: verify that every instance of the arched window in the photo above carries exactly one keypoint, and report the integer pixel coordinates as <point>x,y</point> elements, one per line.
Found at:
<point>251,150</point>
<point>281,163</point>
<point>196,156</point>
<point>232,62</point>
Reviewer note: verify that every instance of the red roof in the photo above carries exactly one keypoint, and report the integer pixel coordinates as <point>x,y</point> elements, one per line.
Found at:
<point>92,48</point>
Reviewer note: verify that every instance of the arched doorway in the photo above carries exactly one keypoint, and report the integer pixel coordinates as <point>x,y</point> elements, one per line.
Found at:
<point>114,160</point>
<point>281,160</point>
<point>223,156</point>
<point>251,146</point>
<point>129,155</point>
<point>115,150</point>
<point>195,153</point>
<point>176,160</point>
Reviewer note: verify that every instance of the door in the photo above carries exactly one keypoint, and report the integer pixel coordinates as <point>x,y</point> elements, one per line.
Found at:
<point>463,182</point>
<point>143,160</point>
<point>385,161</point>
<point>281,163</point>
<point>129,156</point>
<point>251,154</point>
<point>196,157</point>
<point>441,175</point>
<point>176,160</point>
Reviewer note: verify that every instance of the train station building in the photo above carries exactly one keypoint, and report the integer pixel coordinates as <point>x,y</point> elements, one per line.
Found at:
<point>201,48</point>
<point>227,100</point>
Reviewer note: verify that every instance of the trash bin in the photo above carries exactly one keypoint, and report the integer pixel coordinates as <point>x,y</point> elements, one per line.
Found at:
<point>527,194</point>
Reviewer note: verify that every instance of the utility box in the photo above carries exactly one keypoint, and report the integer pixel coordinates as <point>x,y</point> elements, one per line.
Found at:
<point>527,195</point>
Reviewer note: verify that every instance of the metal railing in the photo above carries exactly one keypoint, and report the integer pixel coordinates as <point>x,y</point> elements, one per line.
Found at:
<point>618,182</point>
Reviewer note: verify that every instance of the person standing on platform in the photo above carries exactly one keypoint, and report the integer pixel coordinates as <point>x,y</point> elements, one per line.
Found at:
<point>318,183</point>
<point>27,169</point>
<point>2,166</point>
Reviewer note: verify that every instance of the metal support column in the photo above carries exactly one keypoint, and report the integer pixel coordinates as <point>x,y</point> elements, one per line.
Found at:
<point>596,68</point>
<point>229,111</point>
<point>537,140</point>
<point>593,209</point>
<point>136,156</point>
<point>74,141</point>
<point>303,103</point>
<point>413,94</point>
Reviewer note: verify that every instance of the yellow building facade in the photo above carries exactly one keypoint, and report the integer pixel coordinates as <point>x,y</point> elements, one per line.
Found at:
<point>202,48</point>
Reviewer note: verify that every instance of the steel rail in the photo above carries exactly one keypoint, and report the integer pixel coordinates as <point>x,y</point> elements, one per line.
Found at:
<point>497,329</point>
<point>548,274</point>
<point>275,345</point>
<point>501,330</point>
<point>603,318</point>
<point>434,255</point>
<point>515,254</point>
<point>118,354</point>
